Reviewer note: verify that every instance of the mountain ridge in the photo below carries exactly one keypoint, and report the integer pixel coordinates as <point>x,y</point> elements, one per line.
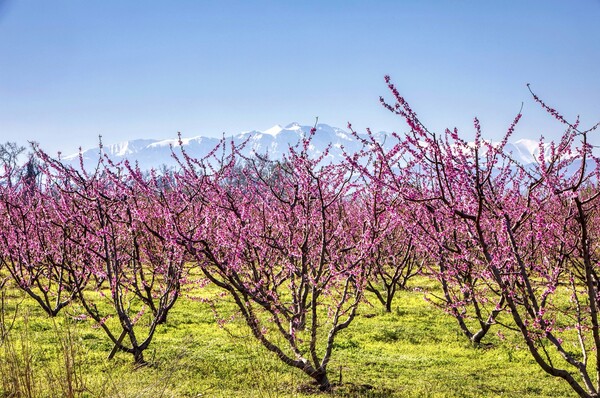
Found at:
<point>274,142</point>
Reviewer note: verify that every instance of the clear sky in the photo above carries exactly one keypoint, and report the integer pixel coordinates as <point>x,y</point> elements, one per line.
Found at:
<point>71,70</point>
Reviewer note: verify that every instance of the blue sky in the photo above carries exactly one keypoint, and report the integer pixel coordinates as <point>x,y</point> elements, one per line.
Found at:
<point>71,70</point>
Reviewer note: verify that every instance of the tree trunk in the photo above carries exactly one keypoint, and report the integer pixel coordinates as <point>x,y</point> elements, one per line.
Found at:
<point>162,319</point>
<point>322,380</point>
<point>138,356</point>
<point>388,303</point>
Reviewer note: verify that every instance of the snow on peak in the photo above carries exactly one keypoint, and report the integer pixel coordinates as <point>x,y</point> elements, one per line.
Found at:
<point>293,126</point>
<point>531,146</point>
<point>120,149</point>
<point>128,147</point>
<point>526,150</point>
<point>341,134</point>
<point>173,142</point>
<point>164,143</point>
<point>273,130</point>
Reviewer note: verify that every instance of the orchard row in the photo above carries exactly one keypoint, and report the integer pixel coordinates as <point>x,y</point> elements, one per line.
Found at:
<point>296,243</point>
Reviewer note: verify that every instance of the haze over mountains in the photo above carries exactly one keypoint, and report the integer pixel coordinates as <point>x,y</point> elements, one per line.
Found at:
<point>274,142</point>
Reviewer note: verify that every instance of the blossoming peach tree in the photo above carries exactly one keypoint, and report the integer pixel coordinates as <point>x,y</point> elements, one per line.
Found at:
<point>506,235</point>
<point>281,239</point>
<point>36,246</point>
<point>117,232</point>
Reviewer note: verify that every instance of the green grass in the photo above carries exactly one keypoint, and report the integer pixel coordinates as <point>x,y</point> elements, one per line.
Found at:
<point>416,351</point>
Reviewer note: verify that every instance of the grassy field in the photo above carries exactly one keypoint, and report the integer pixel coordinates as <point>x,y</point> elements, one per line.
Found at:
<point>415,351</point>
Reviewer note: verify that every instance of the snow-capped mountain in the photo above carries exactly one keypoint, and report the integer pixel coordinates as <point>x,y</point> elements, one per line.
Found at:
<point>273,142</point>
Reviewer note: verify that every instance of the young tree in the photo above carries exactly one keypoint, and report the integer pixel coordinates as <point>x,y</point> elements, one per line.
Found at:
<point>393,262</point>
